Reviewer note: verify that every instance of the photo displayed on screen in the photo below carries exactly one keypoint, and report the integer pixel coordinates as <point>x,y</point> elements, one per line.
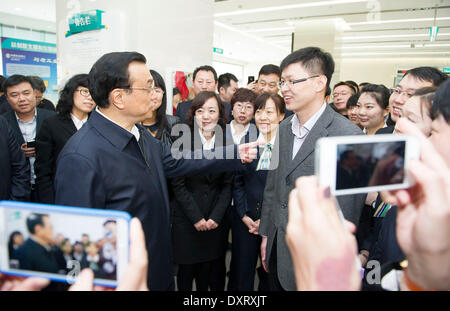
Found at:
<point>371,164</point>
<point>61,244</point>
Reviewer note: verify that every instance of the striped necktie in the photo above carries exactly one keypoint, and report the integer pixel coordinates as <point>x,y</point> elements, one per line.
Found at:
<point>264,160</point>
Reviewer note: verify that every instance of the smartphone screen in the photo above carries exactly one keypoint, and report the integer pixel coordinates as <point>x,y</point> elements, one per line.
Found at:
<point>370,164</point>
<point>58,242</point>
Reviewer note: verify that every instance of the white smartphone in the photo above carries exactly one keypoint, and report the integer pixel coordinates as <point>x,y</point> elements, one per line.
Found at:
<point>363,163</point>
<point>57,242</point>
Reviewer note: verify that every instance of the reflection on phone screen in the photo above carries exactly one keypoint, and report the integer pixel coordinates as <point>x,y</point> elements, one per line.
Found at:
<point>61,244</point>
<point>370,164</point>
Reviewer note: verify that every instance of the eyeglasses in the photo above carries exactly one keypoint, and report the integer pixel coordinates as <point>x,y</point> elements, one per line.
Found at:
<point>239,107</point>
<point>398,92</point>
<point>342,94</point>
<point>290,83</point>
<point>84,92</point>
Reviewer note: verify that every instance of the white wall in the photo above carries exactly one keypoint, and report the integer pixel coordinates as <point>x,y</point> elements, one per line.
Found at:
<point>383,70</point>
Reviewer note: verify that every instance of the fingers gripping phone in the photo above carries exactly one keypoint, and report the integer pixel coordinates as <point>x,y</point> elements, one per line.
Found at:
<point>57,242</point>
<point>31,144</point>
<point>362,164</point>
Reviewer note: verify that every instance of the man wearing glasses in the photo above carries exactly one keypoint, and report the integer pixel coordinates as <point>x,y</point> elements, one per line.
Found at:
<point>305,77</point>
<point>413,80</point>
<point>112,162</point>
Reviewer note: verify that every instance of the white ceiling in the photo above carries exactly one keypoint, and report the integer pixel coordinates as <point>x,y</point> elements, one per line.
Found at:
<point>394,27</point>
<point>399,27</point>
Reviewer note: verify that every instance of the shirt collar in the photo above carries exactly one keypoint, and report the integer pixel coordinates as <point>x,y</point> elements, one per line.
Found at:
<point>233,131</point>
<point>134,130</point>
<point>207,144</point>
<point>306,128</point>
<point>114,133</point>
<point>78,123</point>
<point>261,138</point>
<point>34,119</point>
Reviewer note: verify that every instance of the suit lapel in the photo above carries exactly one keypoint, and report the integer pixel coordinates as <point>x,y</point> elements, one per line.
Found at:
<point>68,125</point>
<point>15,127</point>
<point>319,130</point>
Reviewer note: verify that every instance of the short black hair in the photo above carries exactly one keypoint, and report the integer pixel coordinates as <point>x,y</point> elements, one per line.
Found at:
<point>270,69</point>
<point>225,80</point>
<point>429,74</point>
<point>441,102</point>
<point>379,92</point>
<point>314,60</point>
<point>363,84</point>
<point>353,84</point>
<point>205,68</point>
<point>111,72</point>
<point>37,83</point>
<point>33,220</point>
<point>109,221</point>
<point>65,101</point>
<point>2,80</point>
<point>176,91</point>
<point>352,101</point>
<point>15,80</point>
<point>347,84</point>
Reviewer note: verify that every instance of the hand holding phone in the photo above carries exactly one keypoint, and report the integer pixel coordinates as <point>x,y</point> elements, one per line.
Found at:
<point>30,152</point>
<point>59,230</point>
<point>362,164</point>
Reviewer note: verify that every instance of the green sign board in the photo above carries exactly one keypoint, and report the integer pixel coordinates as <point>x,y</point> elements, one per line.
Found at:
<point>85,21</point>
<point>446,70</point>
<point>218,51</point>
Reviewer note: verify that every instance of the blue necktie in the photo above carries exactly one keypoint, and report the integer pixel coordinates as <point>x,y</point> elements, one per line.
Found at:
<point>264,160</point>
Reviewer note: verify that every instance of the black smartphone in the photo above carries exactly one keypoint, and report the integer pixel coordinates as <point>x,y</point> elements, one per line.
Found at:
<point>31,144</point>
<point>250,79</point>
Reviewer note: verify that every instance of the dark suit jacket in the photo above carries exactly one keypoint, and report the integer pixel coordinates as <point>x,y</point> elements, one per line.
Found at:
<point>4,105</point>
<point>14,168</point>
<point>281,181</point>
<point>183,109</point>
<point>386,130</point>
<point>10,116</point>
<point>53,135</point>
<point>35,257</point>
<point>196,197</point>
<point>103,166</point>
<point>46,104</point>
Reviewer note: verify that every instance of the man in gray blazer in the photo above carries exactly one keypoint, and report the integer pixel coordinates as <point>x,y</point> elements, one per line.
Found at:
<point>306,74</point>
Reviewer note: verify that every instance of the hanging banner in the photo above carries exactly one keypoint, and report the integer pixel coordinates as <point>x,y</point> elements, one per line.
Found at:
<point>31,58</point>
<point>85,21</point>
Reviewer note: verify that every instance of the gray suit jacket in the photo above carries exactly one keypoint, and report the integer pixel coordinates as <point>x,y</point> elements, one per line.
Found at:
<point>281,181</point>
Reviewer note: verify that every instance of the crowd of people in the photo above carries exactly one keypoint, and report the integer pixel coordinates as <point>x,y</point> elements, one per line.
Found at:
<point>232,160</point>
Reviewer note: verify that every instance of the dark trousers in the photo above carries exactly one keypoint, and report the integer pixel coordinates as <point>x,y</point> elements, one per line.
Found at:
<point>210,274</point>
<point>34,197</point>
<point>244,256</point>
<point>273,282</point>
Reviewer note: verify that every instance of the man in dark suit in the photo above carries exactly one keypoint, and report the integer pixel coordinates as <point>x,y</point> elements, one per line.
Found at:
<point>15,180</point>
<point>39,90</point>
<point>204,79</point>
<point>25,119</point>
<point>411,81</point>
<point>227,85</point>
<point>306,74</point>
<point>114,163</point>
<point>36,253</point>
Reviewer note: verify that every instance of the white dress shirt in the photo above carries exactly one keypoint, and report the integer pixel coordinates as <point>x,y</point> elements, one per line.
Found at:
<point>301,133</point>
<point>28,130</point>
<point>238,137</point>
<point>207,144</point>
<point>134,130</point>
<point>77,122</point>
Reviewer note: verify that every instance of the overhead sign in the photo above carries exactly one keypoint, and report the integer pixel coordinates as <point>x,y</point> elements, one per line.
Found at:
<point>218,51</point>
<point>85,21</point>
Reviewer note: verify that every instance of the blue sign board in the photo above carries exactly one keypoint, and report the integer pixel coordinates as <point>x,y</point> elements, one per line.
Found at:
<point>31,58</point>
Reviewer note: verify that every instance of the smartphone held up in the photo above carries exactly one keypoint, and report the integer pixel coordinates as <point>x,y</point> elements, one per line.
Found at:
<point>57,242</point>
<point>365,163</point>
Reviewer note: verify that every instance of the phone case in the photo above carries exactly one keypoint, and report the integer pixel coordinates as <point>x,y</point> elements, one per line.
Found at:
<point>64,210</point>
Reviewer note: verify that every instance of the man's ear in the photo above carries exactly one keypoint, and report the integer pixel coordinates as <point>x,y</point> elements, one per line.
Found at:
<point>320,83</point>
<point>116,98</point>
